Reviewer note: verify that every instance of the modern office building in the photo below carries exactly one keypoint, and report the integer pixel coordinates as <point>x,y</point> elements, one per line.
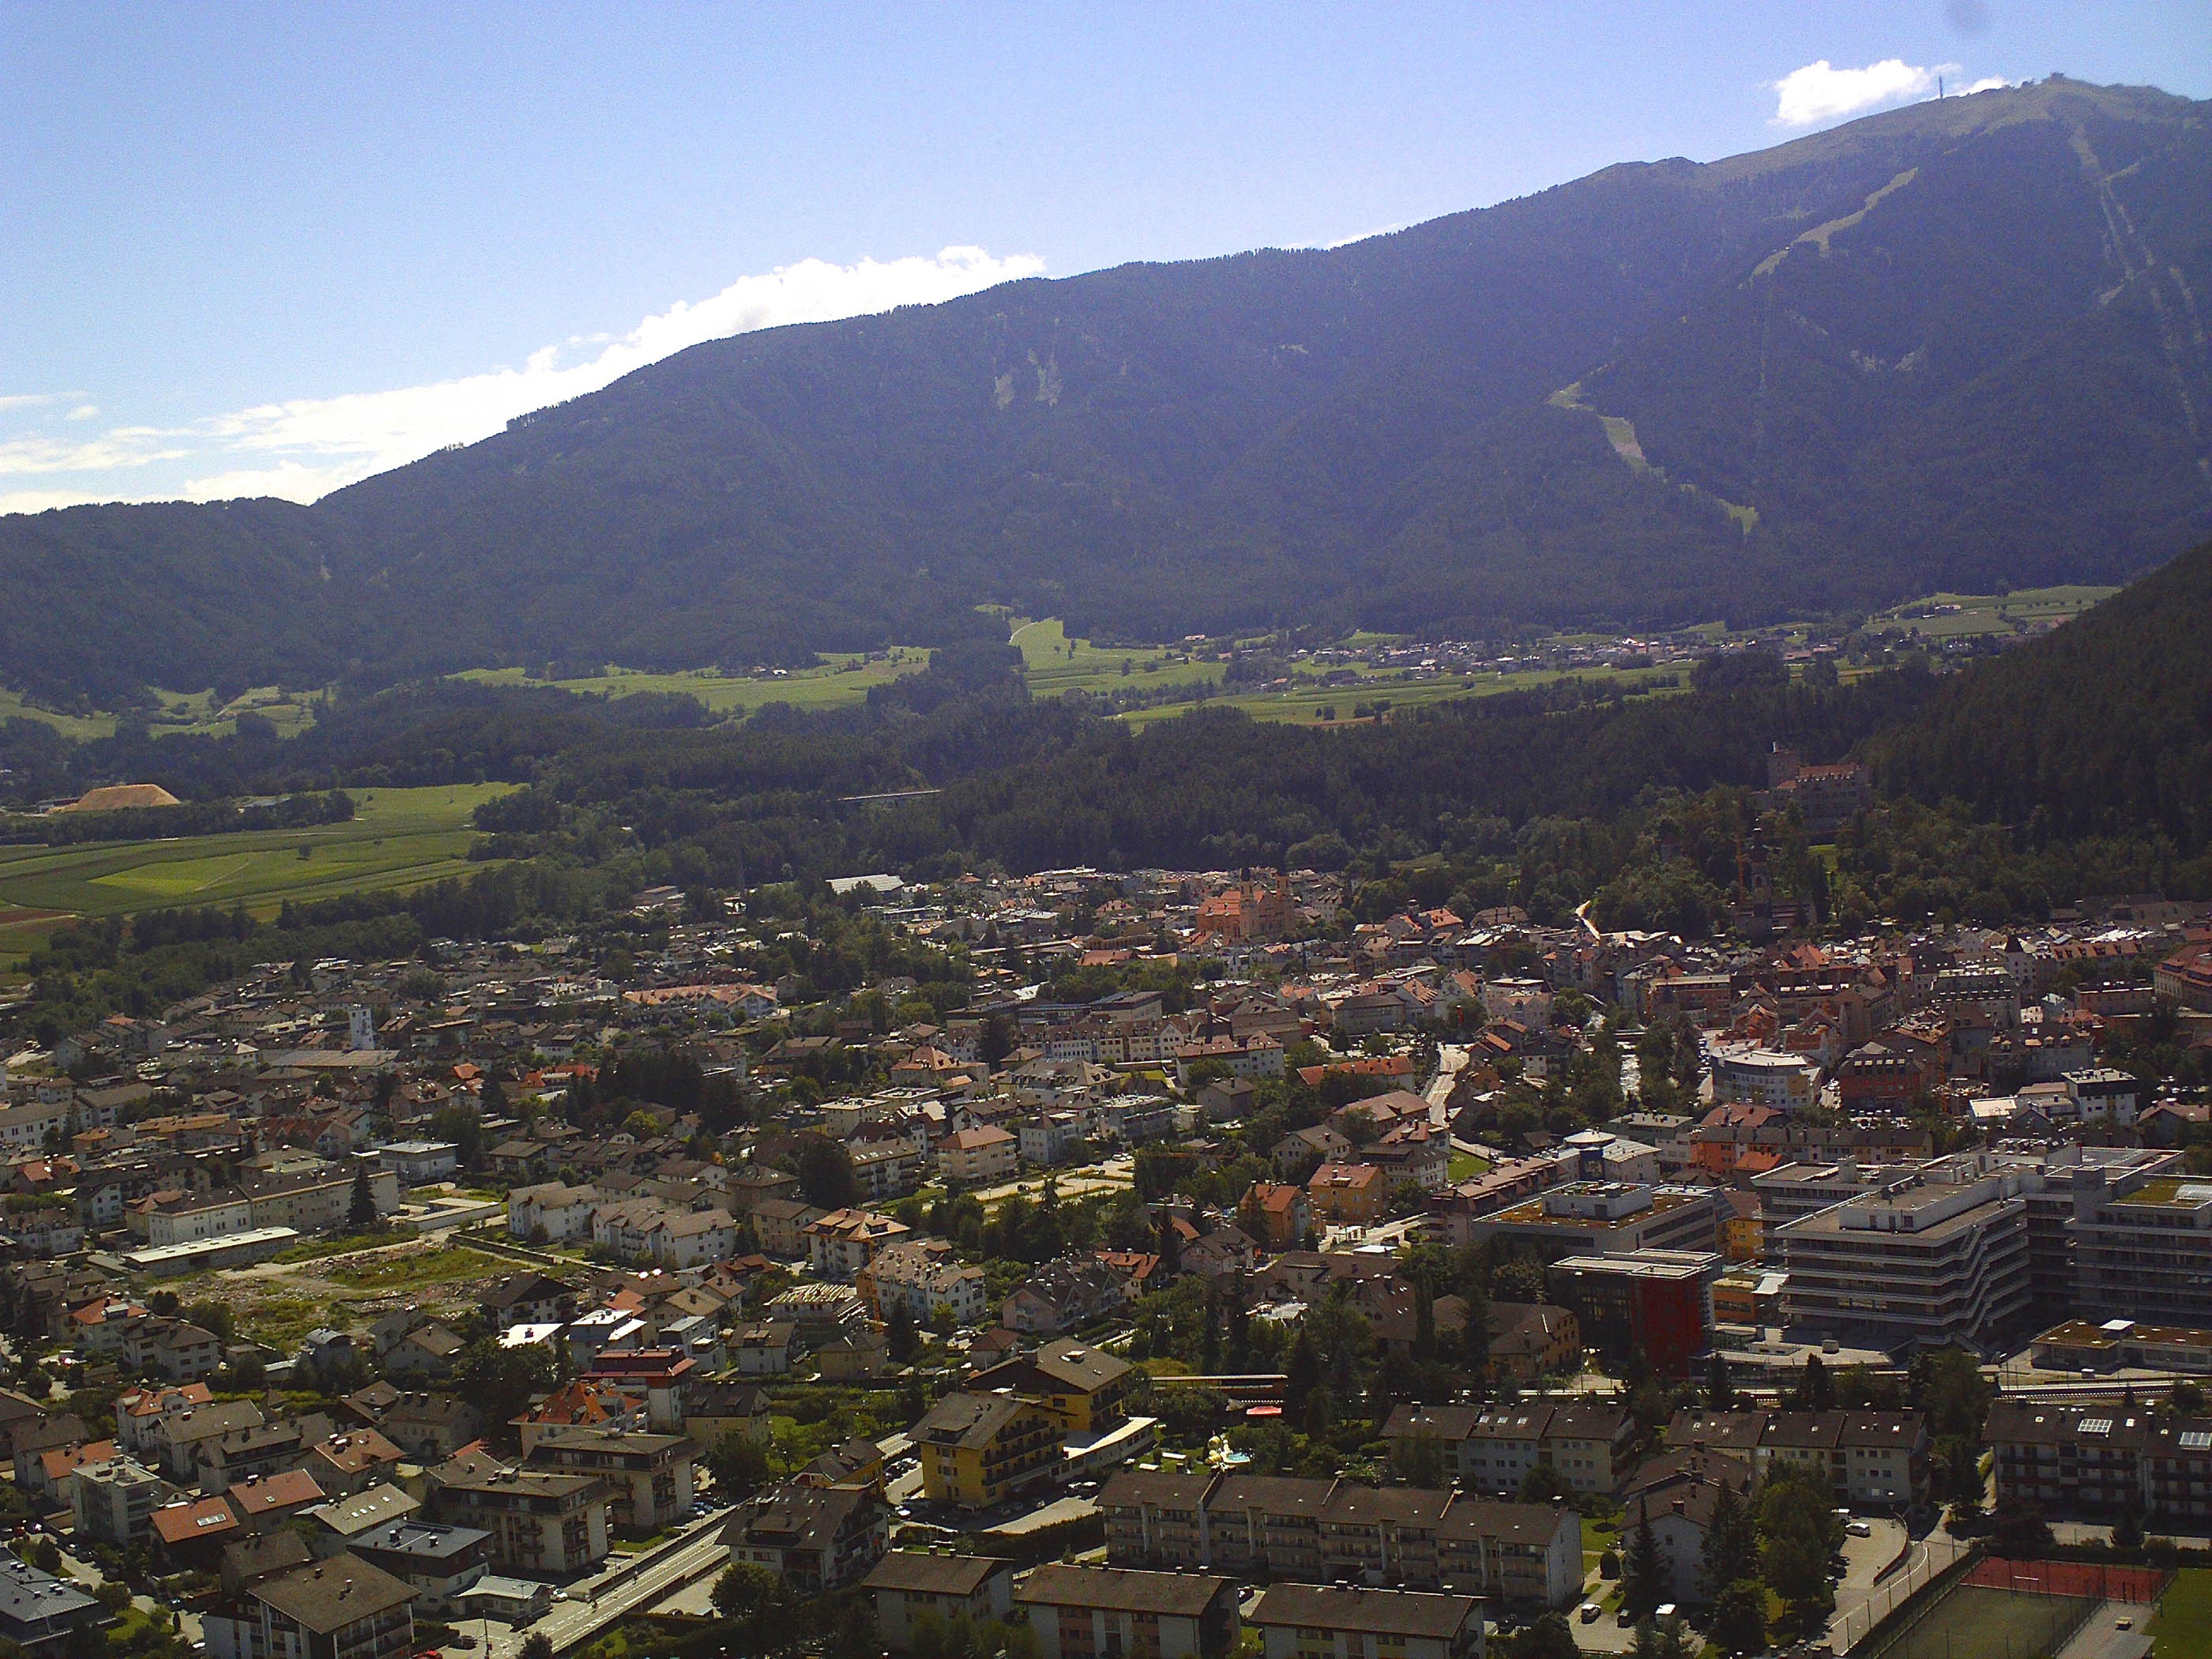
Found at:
<point>1936,1258</point>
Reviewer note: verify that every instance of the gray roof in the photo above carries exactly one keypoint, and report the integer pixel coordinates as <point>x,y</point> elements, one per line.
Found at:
<point>327,1595</point>
<point>1381,1612</point>
<point>1181,1595</point>
<point>936,1575</point>
<point>28,1596</point>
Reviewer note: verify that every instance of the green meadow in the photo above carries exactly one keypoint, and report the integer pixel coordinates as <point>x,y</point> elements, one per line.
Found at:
<point>840,680</point>
<point>399,838</point>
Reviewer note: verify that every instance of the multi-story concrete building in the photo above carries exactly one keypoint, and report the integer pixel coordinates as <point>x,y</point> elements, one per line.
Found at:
<point>907,1582</point>
<point>978,1449</point>
<point>437,1561</point>
<point>1079,1612</point>
<point>816,1539</point>
<point>1870,1457</point>
<point>114,1500</point>
<point>921,1277</point>
<point>649,1475</point>
<point>2143,1249</point>
<point>1335,1531</point>
<point>1329,1621</point>
<point>341,1608</point>
<point>541,1523</point>
<point>2103,1459</point>
<point>1658,1303</point>
<point>1604,1219</point>
<point>1936,1258</point>
<point>1492,1448</point>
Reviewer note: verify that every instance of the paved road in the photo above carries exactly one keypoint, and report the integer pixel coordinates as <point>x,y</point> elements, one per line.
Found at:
<point>1451,1061</point>
<point>577,1620</point>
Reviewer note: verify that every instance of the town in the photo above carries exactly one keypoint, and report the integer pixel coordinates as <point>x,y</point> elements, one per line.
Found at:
<point>1161,1261</point>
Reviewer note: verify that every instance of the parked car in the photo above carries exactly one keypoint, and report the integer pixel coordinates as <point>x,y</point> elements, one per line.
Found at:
<point>1590,1612</point>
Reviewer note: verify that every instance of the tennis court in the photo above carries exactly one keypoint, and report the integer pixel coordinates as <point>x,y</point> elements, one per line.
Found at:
<point>1978,1621</point>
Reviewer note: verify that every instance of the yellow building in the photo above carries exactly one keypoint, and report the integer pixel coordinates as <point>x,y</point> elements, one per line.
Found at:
<point>1081,1388</point>
<point>1743,1231</point>
<point>978,1449</point>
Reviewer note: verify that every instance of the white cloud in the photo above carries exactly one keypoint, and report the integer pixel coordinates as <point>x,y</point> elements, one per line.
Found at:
<point>25,400</point>
<point>84,412</point>
<point>1987,83</point>
<point>1821,92</point>
<point>125,446</point>
<point>304,448</point>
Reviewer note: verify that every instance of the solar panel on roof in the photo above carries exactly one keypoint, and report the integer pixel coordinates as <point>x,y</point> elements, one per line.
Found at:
<point>2094,1425</point>
<point>2196,1440</point>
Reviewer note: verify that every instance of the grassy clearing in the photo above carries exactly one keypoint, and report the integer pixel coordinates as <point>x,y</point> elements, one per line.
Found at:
<point>2183,1627</point>
<point>399,838</point>
<point>1303,705</point>
<point>2020,611</point>
<point>1053,663</point>
<point>1465,1166</point>
<point>843,678</point>
<point>452,1265</point>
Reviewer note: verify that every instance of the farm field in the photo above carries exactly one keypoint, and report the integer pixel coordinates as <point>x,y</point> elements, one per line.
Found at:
<point>399,838</point>
<point>1053,663</point>
<point>842,680</point>
<point>2015,612</point>
<point>1302,705</point>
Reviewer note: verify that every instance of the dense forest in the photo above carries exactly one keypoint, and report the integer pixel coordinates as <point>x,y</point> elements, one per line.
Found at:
<point>1978,379</point>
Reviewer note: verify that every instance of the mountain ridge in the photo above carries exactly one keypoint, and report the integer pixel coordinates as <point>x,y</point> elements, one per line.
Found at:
<point>1351,435</point>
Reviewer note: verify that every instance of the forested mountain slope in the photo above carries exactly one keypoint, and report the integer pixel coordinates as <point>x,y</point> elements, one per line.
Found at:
<point>2103,729</point>
<point>1996,371</point>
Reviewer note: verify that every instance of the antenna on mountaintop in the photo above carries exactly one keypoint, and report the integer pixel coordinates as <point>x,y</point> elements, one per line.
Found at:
<point>1939,89</point>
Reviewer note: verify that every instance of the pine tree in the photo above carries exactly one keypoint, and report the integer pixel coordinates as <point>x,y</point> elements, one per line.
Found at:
<point>1731,1551</point>
<point>1302,1373</point>
<point>1474,1340</point>
<point>1644,1576</point>
<point>1817,1393</point>
<point>361,1212</point>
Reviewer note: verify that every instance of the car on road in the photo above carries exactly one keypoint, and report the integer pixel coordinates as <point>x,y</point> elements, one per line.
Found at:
<point>1860,1528</point>
<point>1590,1612</point>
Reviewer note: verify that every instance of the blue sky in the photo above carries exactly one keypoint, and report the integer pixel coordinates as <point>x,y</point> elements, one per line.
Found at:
<point>271,249</point>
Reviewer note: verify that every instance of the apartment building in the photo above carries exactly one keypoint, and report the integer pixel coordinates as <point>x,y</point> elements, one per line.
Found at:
<point>1936,1258</point>
<point>542,1523</point>
<point>1079,1612</point>
<point>1874,1458</point>
<point>816,1538</point>
<point>907,1582</point>
<point>841,1242</point>
<point>1492,1448</point>
<point>1330,1621</point>
<point>921,1277</point>
<point>436,1562</point>
<point>978,1449</point>
<point>114,1500</point>
<point>649,1476</point>
<point>1337,1531</point>
<point>342,1605</point>
<point>2103,1459</point>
